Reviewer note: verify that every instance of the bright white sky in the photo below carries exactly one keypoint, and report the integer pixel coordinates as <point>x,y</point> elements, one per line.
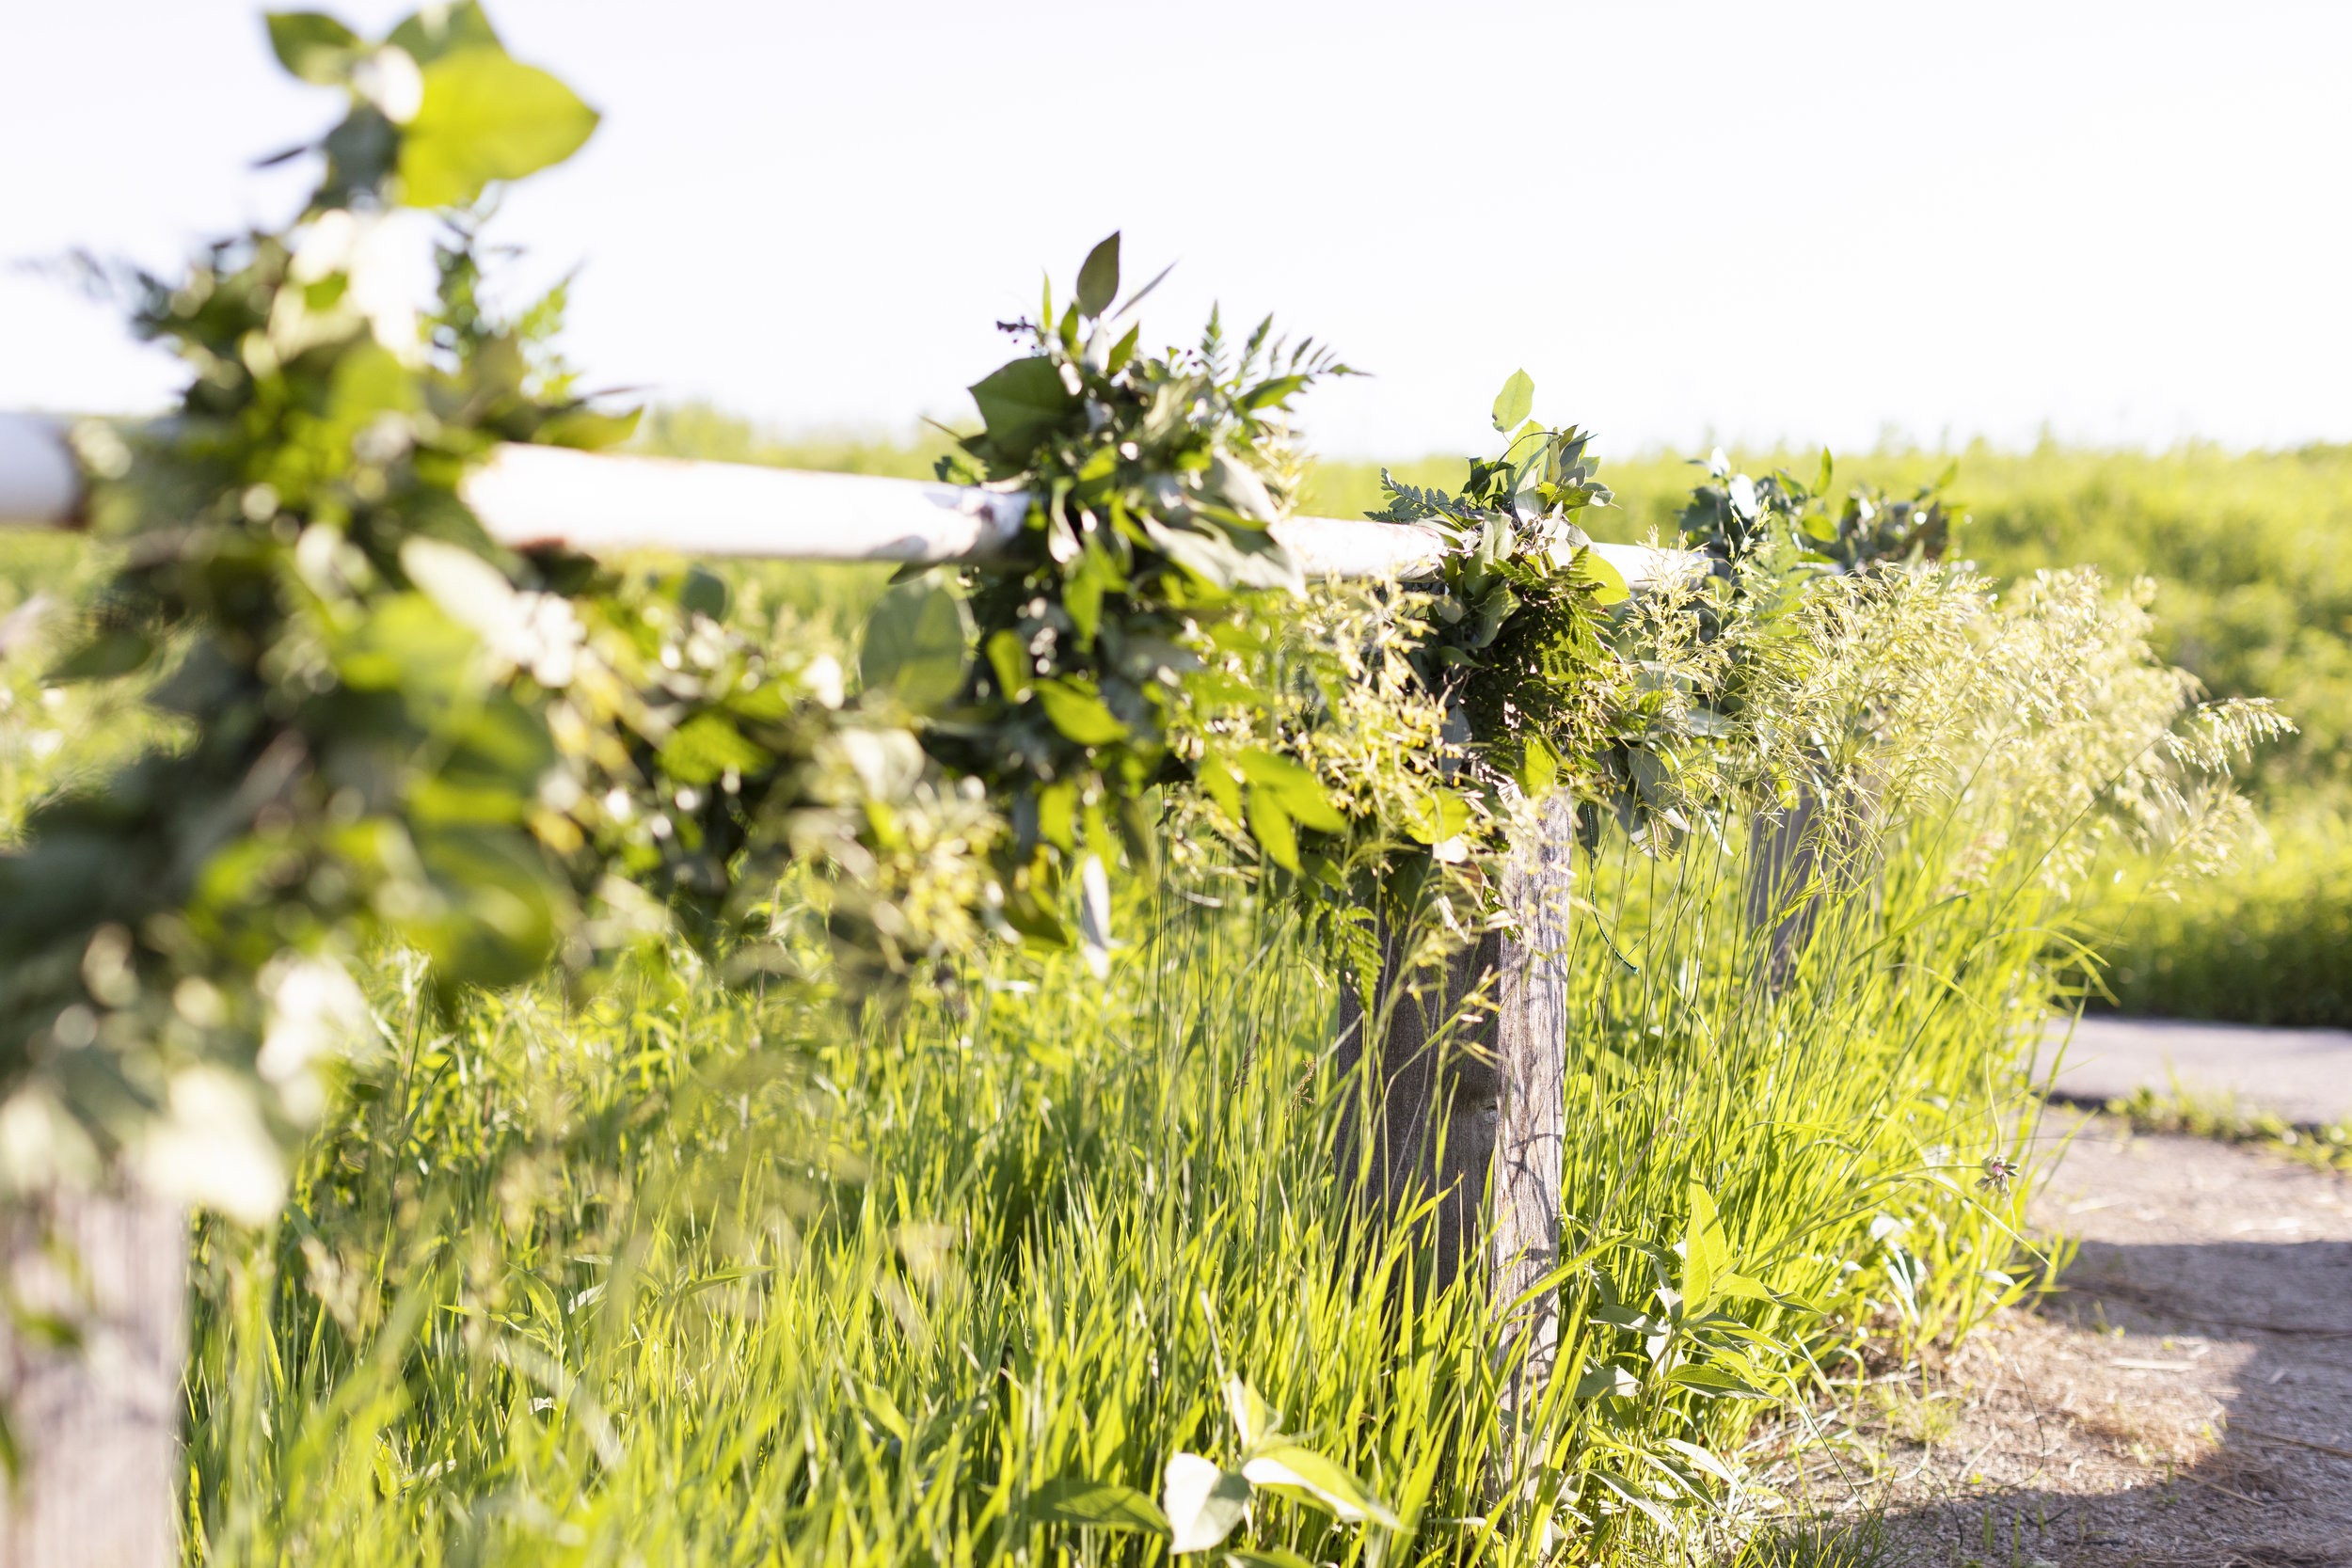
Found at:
<point>1690,222</point>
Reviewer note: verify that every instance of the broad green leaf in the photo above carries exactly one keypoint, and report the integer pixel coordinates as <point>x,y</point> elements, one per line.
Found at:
<point>1010,665</point>
<point>1639,1498</point>
<point>1224,786</point>
<point>1589,565</point>
<point>1438,816</point>
<point>1703,1249</point>
<point>485,116</point>
<point>1125,349</point>
<point>1019,402</point>
<point>1271,826</point>
<point>1203,1502</point>
<point>1098,280</point>
<point>1301,793</point>
<point>1274,391</point>
<point>109,654</point>
<point>1057,814</point>
<point>703,591</point>
<point>1714,1383</point>
<point>1513,403</point>
<point>705,746</point>
<point>1828,467</point>
<point>1252,1417</point>
<point>1079,714</point>
<point>314,46</point>
<point>1608,1379</point>
<point>368,379</point>
<point>1027,914</point>
<point>1703,1460</point>
<point>1095,1505</point>
<point>1328,1482</point>
<point>915,647</point>
<point>1539,768</point>
<point>490,918</point>
<point>444,29</point>
<point>586,430</point>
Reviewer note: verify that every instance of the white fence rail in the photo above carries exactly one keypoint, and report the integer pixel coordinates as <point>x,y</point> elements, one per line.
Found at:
<point>602,503</point>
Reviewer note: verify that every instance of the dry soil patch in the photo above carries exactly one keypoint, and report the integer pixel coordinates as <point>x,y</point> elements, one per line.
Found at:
<point>2186,1399</point>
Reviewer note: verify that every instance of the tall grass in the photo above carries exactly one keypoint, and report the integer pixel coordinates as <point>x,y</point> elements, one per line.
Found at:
<point>687,1277</point>
<point>675,1273</point>
<point>682,1275</point>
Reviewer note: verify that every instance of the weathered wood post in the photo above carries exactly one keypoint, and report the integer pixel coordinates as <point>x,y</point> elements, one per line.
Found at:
<point>96,1422</point>
<point>1469,1105</point>
<point>1422,1123</point>
<point>1784,857</point>
<point>1530,1133</point>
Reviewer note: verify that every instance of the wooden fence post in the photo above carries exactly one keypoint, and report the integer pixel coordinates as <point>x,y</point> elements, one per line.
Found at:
<point>1477,1112</point>
<point>97,1425</point>
<point>1530,1133</point>
<point>1435,1099</point>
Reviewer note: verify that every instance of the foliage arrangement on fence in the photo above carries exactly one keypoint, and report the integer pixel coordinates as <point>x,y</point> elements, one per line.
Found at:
<point>540,879</point>
<point>402,732</point>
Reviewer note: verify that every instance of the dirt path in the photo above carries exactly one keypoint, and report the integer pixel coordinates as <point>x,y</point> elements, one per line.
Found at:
<point>2186,1399</point>
<point>2302,1075</point>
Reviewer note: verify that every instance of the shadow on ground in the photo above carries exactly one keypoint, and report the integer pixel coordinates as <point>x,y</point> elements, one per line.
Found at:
<point>2186,1399</point>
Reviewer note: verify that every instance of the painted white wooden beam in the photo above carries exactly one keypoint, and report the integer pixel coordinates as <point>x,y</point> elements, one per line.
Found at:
<point>606,503</point>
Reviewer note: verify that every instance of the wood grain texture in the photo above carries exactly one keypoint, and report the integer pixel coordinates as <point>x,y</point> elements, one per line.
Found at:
<point>98,1428</point>
<point>1425,1123</point>
<point>1531,1132</point>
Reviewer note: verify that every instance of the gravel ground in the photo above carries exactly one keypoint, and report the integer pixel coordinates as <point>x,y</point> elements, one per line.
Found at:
<point>2187,1399</point>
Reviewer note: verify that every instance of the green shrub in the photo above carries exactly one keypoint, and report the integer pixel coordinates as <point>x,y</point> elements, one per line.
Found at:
<point>2271,943</point>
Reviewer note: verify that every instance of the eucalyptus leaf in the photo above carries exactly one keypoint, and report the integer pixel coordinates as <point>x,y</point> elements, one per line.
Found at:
<point>1714,1383</point>
<point>1019,402</point>
<point>1514,401</point>
<point>1203,1502</point>
<point>1079,714</point>
<point>1270,825</point>
<point>443,29</point>
<point>1098,278</point>
<point>1608,586</point>
<point>1328,1482</point>
<point>314,46</point>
